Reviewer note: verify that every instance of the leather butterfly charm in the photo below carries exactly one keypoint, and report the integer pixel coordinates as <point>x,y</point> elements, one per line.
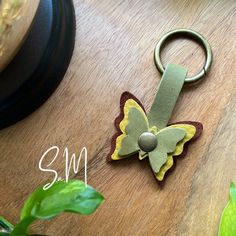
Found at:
<point>135,136</point>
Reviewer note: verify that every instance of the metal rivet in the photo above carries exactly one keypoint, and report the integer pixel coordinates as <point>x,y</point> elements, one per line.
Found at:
<point>147,141</point>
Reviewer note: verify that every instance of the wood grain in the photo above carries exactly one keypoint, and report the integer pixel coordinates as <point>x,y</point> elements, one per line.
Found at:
<point>114,53</point>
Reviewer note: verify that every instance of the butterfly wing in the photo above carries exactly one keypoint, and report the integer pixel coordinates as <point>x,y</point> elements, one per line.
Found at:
<point>130,124</point>
<point>167,140</point>
<point>193,131</point>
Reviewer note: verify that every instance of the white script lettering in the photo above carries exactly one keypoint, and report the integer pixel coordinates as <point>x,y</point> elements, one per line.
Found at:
<point>68,163</point>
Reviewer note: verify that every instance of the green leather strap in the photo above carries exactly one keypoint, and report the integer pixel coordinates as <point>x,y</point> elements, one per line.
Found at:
<point>168,92</point>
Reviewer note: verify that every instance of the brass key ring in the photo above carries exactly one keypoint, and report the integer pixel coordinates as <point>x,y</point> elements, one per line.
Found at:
<point>195,36</point>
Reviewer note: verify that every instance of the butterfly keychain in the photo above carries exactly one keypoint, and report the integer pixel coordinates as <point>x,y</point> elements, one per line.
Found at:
<point>148,135</point>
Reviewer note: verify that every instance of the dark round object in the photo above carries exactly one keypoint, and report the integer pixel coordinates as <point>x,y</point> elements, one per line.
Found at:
<point>41,63</point>
<point>147,141</point>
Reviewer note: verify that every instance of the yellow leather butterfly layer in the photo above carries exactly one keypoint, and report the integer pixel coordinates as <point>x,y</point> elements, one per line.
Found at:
<point>133,122</point>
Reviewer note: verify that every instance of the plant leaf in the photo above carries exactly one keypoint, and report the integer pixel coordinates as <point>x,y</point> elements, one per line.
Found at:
<point>22,227</point>
<point>228,218</point>
<point>72,196</point>
<point>6,225</point>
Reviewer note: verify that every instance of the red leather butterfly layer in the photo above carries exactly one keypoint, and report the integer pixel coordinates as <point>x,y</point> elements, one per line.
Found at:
<point>171,141</point>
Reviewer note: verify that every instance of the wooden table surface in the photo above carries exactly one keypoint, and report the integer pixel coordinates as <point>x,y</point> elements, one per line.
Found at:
<point>114,53</point>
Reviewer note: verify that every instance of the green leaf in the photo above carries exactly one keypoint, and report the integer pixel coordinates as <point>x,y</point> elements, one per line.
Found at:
<point>22,227</point>
<point>73,196</point>
<point>232,192</point>
<point>228,218</point>
<point>6,225</point>
<point>4,234</point>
